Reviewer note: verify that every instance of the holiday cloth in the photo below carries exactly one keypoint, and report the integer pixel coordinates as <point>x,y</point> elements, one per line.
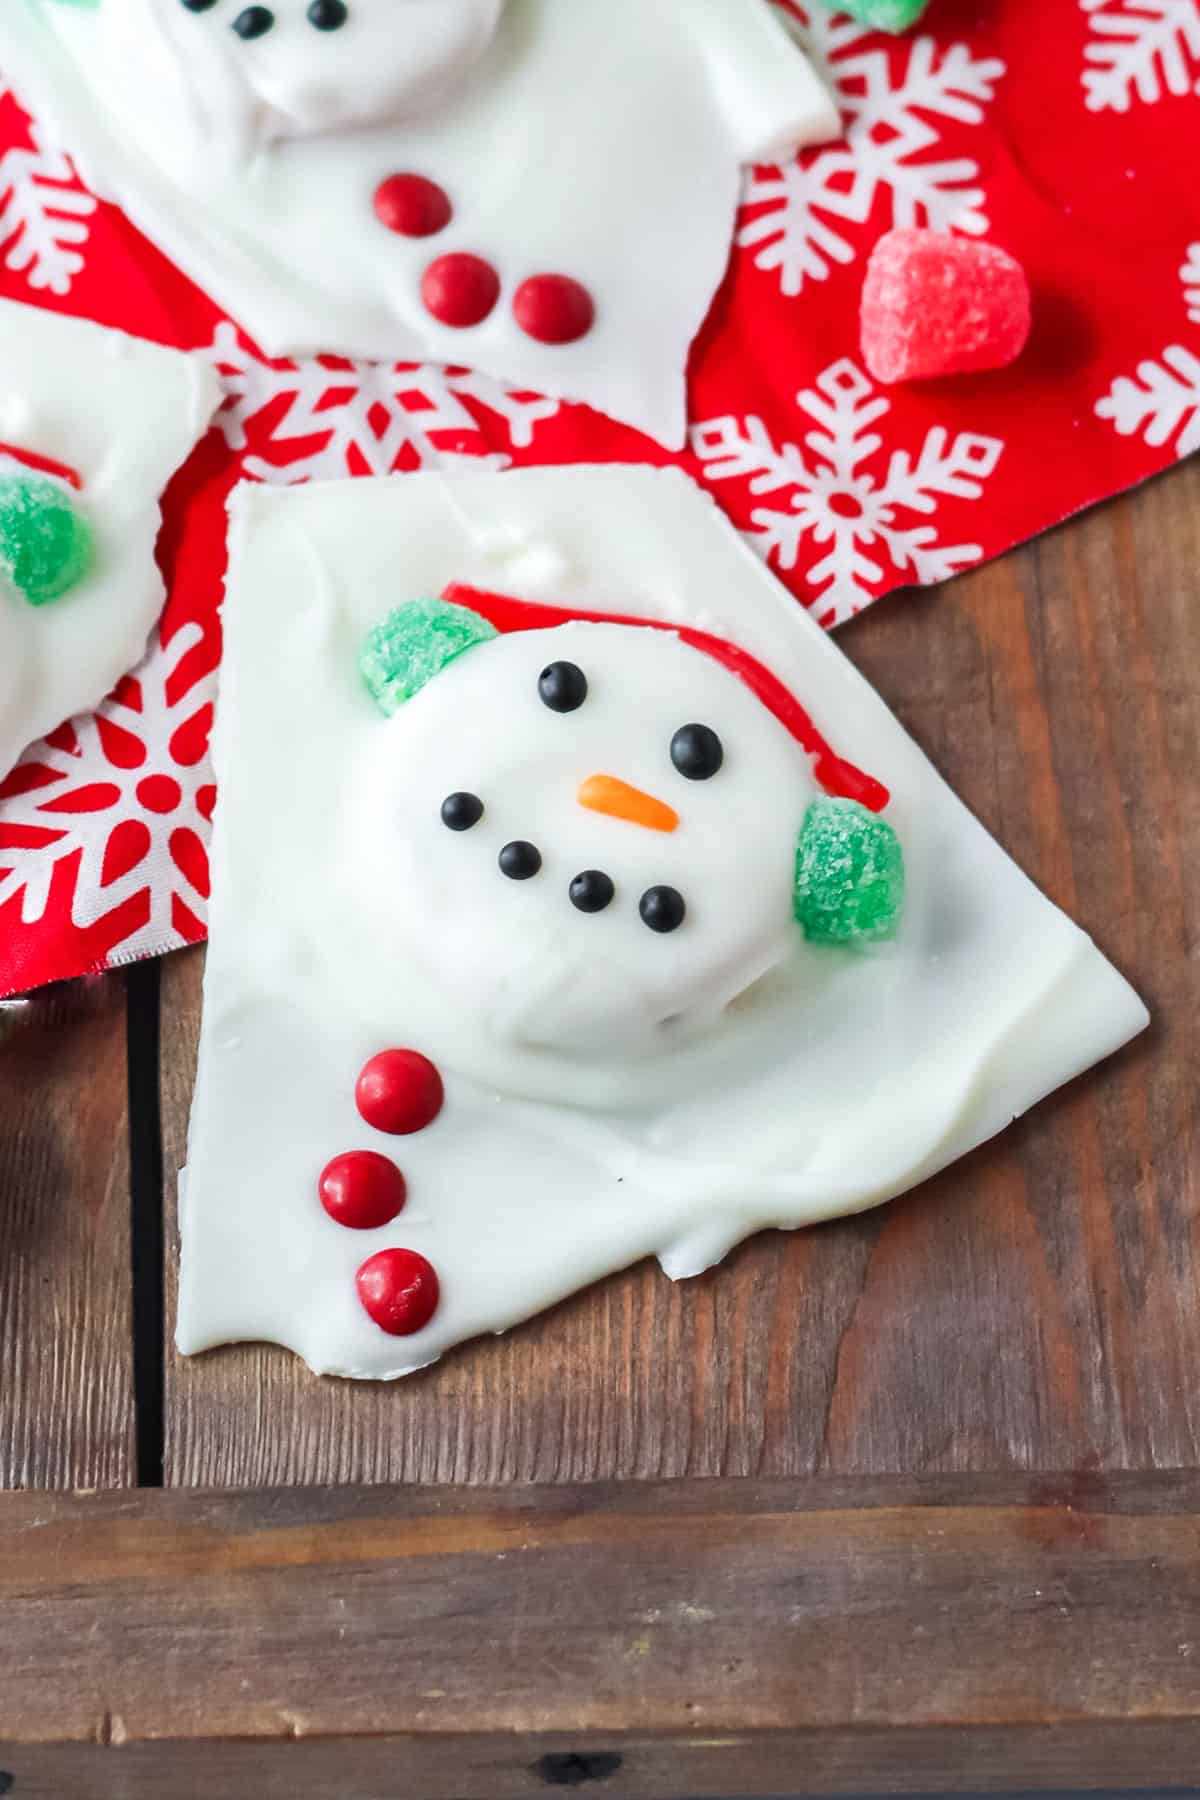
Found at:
<point>1067,145</point>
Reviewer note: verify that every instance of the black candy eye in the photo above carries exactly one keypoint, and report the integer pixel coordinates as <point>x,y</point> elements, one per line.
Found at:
<point>563,687</point>
<point>199,5</point>
<point>662,909</point>
<point>461,811</point>
<point>520,861</point>
<point>328,15</point>
<point>697,752</point>
<point>254,22</point>
<point>592,891</point>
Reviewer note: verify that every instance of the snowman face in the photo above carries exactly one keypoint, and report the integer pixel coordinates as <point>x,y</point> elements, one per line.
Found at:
<point>587,834</point>
<point>323,65</point>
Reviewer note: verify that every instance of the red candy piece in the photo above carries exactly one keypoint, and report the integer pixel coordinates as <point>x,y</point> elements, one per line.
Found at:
<point>362,1190</point>
<point>460,290</point>
<point>412,206</point>
<point>554,309</point>
<point>399,1290</point>
<point>399,1091</point>
<point>935,305</point>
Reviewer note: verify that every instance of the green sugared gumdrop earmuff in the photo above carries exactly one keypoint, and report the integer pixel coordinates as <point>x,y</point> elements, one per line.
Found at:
<point>413,644</point>
<point>882,15</point>
<point>849,875</point>
<point>46,543</point>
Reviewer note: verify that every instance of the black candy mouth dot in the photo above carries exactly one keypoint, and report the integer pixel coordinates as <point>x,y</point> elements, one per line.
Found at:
<point>520,860</point>
<point>461,812</point>
<point>592,891</point>
<point>663,909</point>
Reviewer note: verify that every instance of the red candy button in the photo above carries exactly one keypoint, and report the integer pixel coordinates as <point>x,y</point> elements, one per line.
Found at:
<point>399,1290</point>
<point>460,290</point>
<point>412,206</point>
<point>399,1091</point>
<point>554,309</point>
<point>362,1190</point>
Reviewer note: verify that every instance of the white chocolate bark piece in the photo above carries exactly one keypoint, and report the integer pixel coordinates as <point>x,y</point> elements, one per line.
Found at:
<point>599,142</point>
<point>121,416</point>
<point>611,1091</point>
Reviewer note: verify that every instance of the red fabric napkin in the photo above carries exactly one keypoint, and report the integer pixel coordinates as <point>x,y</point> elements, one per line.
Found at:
<point>1068,138</point>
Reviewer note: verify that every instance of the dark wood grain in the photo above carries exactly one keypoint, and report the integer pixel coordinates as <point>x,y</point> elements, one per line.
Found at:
<point>66,1333</point>
<point>728,1637</point>
<point>1159,1757</point>
<point>1035,1307</point>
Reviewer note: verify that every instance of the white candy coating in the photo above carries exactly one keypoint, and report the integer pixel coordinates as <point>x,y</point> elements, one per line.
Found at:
<point>124,414</point>
<point>601,141</point>
<point>580,1132</point>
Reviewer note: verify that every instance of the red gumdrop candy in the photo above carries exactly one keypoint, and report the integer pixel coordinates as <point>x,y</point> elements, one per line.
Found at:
<point>554,309</point>
<point>936,305</point>
<point>412,206</point>
<point>362,1190</point>
<point>399,1091</point>
<point>399,1290</point>
<point>460,290</point>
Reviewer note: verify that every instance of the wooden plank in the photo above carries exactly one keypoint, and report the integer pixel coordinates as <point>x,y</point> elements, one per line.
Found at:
<point>1159,1758</point>
<point>715,1637</point>
<point>1035,1306</point>
<point>66,1333</point>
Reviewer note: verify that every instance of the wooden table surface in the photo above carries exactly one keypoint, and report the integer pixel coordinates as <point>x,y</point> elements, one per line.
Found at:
<point>1032,1315</point>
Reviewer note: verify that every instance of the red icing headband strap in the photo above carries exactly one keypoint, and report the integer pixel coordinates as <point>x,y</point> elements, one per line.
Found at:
<point>42,465</point>
<point>832,773</point>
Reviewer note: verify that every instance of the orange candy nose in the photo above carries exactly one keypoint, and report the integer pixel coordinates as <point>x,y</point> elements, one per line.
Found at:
<point>605,794</point>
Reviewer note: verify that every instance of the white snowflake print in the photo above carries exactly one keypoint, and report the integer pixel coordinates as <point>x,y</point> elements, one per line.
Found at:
<point>324,417</point>
<point>44,213</point>
<point>862,511</point>
<point>797,215</point>
<point>1190,274</point>
<point>1140,50</point>
<point>1161,400</point>
<point>128,789</point>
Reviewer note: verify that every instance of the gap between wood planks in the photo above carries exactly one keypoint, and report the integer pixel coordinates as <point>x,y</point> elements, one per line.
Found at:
<point>146,1246</point>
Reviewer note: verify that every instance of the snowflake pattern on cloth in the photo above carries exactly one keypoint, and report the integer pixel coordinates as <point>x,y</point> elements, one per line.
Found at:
<point>120,802</point>
<point>845,499</point>
<point>330,417</point>
<point>1139,51</point>
<point>44,211</point>
<point>1161,402</point>
<point>796,216</point>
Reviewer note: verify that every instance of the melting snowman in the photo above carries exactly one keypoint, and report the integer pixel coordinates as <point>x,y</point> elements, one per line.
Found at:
<point>600,835</point>
<point>542,189</point>
<point>571,938</point>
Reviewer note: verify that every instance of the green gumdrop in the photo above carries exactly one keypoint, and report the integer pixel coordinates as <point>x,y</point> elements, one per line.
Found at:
<point>46,544</point>
<point>881,15</point>
<point>413,644</point>
<point>849,875</point>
